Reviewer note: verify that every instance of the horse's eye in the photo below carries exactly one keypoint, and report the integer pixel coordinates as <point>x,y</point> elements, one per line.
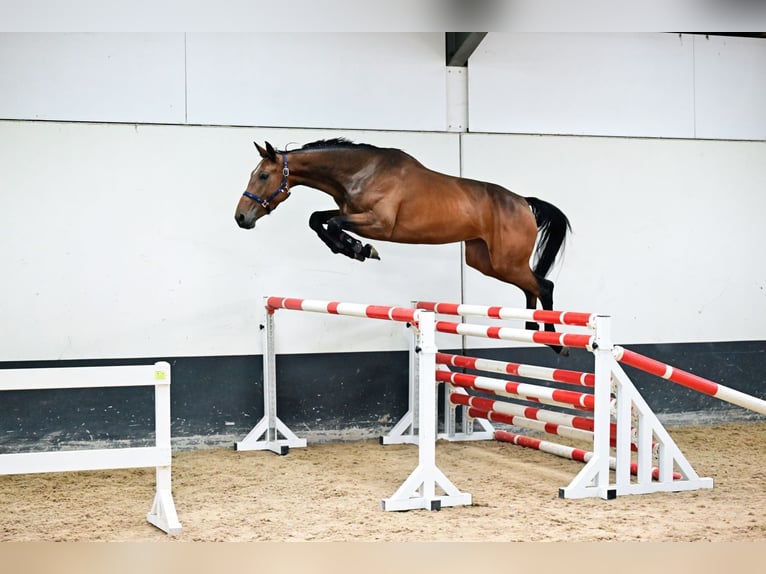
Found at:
<point>263,175</point>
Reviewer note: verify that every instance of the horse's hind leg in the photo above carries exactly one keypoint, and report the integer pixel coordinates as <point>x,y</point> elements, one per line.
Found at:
<point>531,304</point>
<point>546,297</point>
<point>477,256</point>
<point>535,288</point>
<point>546,300</point>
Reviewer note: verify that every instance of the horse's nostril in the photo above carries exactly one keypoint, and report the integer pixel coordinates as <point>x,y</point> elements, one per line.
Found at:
<point>240,217</point>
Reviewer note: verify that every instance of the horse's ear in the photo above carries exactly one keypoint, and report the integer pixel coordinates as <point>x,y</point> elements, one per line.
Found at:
<point>268,153</point>
<point>271,151</point>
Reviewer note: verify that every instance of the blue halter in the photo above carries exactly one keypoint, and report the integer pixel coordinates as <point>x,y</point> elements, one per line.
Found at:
<point>264,203</point>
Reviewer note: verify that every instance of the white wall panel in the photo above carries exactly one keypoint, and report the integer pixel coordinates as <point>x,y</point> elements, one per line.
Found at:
<point>599,84</point>
<point>92,77</point>
<point>120,241</point>
<point>668,234</point>
<point>730,87</point>
<point>363,81</point>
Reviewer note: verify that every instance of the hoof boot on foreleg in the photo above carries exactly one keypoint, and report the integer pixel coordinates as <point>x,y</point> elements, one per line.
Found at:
<point>370,252</point>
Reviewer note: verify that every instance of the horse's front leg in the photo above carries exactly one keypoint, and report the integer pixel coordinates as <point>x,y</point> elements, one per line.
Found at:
<point>317,222</point>
<point>352,247</point>
<point>328,225</point>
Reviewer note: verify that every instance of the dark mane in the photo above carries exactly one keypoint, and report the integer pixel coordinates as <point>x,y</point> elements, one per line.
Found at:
<point>336,143</point>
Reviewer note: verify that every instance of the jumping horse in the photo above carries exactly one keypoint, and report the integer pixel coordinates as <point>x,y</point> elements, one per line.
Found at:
<point>386,194</point>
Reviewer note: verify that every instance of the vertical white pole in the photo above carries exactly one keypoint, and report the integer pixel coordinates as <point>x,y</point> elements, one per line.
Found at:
<point>414,393</point>
<point>162,404</point>
<point>623,435</point>
<point>162,421</point>
<point>163,512</point>
<point>602,392</point>
<point>269,378</point>
<point>427,402</point>
<point>644,456</point>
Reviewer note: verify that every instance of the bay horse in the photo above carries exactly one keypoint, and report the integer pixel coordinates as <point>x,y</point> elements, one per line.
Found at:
<point>386,194</point>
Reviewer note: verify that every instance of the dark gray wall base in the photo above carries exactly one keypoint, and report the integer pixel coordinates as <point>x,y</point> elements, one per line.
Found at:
<point>217,400</point>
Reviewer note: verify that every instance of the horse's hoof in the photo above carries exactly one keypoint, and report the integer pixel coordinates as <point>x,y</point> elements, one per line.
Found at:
<point>564,352</point>
<point>366,252</point>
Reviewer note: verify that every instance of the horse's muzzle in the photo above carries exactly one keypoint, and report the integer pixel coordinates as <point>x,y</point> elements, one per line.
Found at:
<point>244,222</point>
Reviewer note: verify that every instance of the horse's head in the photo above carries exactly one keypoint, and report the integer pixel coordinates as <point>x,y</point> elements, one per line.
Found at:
<point>267,188</point>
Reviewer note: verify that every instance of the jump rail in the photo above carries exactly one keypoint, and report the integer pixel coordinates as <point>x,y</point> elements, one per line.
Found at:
<point>163,512</point>
<point>537,393</point>
<point>542,416</point>
<point>568,452</point>
<point>689,380</point>
<point>402,314</point>
<point>518,369</point>
<point>538,316</point>
<point>576,340</point>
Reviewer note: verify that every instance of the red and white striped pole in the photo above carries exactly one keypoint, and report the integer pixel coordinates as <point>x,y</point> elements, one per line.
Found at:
<point>522,335</point>
<point>532,413</point>
<point>536,315</point>
<point>536,393</point>
<point>403,314</point>
<point>568,452</point>
<point>689,380</point>
<point>518,369</point>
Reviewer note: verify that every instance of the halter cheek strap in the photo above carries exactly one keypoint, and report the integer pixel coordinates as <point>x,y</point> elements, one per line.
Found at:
<point>265,203</point>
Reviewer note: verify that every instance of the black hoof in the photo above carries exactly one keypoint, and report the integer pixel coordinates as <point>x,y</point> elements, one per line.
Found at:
<point>370,252</point>
<point>366,252</point>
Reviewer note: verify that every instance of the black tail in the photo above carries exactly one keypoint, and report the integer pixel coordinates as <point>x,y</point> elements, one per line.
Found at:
<point>552,226</point>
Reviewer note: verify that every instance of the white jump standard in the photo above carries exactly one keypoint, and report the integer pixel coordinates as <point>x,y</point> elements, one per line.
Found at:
<point>163,512</point>
<point>419,490</point>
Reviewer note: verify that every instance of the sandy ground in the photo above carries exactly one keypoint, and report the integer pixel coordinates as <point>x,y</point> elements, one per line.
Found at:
<point>332,492</point>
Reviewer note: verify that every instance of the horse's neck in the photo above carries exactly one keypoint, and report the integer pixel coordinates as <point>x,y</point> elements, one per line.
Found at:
<point>320,170</point>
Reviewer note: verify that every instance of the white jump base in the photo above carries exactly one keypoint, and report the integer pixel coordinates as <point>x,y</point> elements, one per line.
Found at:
<point>163,512</point>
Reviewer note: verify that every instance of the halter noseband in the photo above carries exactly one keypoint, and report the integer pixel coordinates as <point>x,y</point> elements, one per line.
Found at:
<point>264,203</point>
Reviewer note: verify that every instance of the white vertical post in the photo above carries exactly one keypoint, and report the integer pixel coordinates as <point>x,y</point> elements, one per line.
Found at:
<point>405,431</point>
<point>427,403</point>
<point>644,445</point>
<point>265,435</point>
<point>419,490</point>
<point>593,479</point>
<point>602,397</point>
<point>624,419</point>
<point>269,378</point>
<point>163,512</point>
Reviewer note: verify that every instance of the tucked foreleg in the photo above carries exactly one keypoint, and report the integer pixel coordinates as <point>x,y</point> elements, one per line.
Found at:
<point>328,226</point>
